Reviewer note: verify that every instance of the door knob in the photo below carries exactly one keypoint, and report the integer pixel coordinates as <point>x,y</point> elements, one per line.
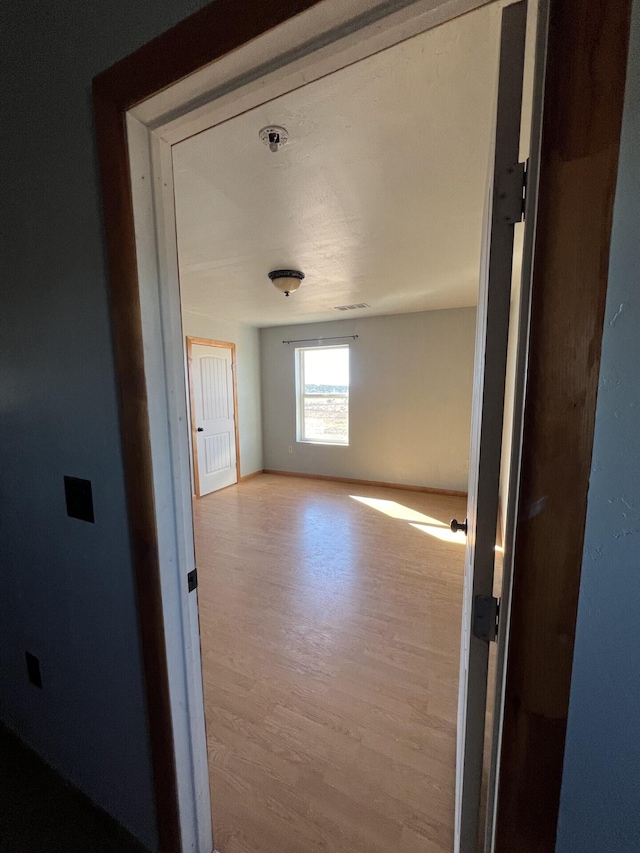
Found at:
<point>459,525</point>
<point>200,429</point>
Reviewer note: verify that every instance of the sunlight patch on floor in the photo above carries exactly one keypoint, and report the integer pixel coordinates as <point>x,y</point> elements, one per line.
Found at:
<point>395,510</point>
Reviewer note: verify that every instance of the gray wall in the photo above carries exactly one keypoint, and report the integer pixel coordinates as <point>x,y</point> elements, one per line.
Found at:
<point>600,804</point>
<point>66,587</point>
<point>247,341</point>
<point>410,399</point>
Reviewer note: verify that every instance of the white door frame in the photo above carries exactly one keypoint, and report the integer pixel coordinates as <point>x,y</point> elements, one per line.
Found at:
<point>517,418</point>
<point>490,371</point>
<point>328,36</point>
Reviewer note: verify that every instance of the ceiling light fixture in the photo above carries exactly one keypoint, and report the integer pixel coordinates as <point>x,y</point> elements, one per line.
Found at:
<point>274,136</point>
<point>286,281</point>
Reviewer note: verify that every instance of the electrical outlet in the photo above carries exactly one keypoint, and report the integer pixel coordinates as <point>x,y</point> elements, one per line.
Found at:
<point>33,669</point>
<point>291,448</point>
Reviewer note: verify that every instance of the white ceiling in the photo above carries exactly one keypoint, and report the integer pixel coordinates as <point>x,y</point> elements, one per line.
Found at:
<point>377,197</point>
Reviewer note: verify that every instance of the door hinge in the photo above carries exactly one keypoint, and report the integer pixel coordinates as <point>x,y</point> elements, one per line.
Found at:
<point>486,615</point>
<point>511,192</point>
<point>192,579</point>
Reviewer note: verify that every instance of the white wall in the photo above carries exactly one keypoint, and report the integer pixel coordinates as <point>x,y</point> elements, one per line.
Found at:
<point>600,802</point>
<point>247,341</point>
<point>410,399</point>
<point>66,586</point>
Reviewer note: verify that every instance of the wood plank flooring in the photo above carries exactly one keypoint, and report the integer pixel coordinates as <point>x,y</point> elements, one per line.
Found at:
<point>330,641</point>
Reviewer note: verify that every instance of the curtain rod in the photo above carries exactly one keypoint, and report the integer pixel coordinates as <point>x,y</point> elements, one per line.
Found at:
<point>317,340</point>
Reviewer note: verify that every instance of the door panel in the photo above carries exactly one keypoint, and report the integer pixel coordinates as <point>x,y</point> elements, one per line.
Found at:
<point>214,391</point>
<point>531,136</point>
<point>217,456</point>
<point>487,414</point>
<point>213,428</point>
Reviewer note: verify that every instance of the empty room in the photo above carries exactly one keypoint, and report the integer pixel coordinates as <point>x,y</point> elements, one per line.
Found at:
<point>329,253</point>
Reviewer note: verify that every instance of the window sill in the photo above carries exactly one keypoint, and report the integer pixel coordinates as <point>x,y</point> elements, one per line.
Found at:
<point>322,443</point>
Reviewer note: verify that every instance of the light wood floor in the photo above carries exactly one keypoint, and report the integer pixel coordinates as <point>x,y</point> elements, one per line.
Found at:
<point>330,642</point>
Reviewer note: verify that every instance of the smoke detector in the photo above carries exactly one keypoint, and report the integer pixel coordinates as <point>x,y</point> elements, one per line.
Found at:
<point>274,136</point>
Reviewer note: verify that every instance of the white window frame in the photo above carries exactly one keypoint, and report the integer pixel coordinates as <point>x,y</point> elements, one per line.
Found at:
<point>301,395</point>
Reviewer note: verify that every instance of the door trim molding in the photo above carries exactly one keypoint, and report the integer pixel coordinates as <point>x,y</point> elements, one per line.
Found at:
<point>205,342</point>
<point>167,59</point>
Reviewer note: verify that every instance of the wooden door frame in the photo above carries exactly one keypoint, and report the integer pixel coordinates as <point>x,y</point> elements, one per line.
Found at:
<point>582,119</point>
<point>205,342</point>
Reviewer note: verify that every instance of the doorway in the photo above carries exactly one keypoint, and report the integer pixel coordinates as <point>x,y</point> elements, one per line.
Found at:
<point>162,159</point>
<point>243,210</point>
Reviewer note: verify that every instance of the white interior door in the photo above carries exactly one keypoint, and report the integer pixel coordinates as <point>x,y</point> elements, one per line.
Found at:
<point>504,208</point>
<point>214,428</point>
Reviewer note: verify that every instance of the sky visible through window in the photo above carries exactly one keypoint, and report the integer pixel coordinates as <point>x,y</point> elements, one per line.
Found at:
<point>329,367</point>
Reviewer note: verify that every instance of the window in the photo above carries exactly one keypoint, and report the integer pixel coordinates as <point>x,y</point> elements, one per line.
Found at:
<point>322,390</point>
